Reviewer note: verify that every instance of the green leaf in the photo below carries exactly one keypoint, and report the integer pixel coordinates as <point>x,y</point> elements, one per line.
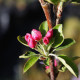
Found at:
<point>30,63</point>
<point>65,0</point>
<point>43,28</point>
<point>58,1</point>
<point>63,69</point>
<point>67,43</point>
<point>70,0</point>
<point>53,1</point>
<point>68,63</point>
<point>50,44</point>
<point>58,36</point>
<point>28,54</point>
<point>76,57</point>
<point>22,40</point>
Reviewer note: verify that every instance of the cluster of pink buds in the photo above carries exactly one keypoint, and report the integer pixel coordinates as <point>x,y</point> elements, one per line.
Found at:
<point>33,38</point>
<point>48,36</point>
<point>36,36</point>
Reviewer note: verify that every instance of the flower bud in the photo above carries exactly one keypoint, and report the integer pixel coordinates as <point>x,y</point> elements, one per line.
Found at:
<point>49,34</point>
<point>36,35</point>
<point>45,40</point>
<point>27,36</point>
<point>31,43</point>
<point>55,62</point>
<point>47,67</point>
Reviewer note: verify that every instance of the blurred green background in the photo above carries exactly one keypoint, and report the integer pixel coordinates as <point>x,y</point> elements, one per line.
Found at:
<point>17,17</point>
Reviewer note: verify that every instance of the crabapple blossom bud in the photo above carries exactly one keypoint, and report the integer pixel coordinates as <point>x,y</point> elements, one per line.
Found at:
<point>49,34</point>
<point>55,62</point>
<point>36,35</point>
<point>27,36</point>
<point>31,43</point>
<point>45,40</point>
<point>47,67</point>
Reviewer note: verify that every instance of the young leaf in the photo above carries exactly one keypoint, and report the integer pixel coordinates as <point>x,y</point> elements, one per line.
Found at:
<point>40,49</point>
<point>28,54</point>
<point>30,63</point>
<point>67,43</point>
<point>58,36</point>
<point>43,28</point>
<point>63,69</point>
<point>68,63</point>
<point>22,40</point>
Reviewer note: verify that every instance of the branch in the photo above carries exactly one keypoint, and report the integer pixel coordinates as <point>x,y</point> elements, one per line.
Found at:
<point>47,11</point>
<point>51,65</point>
<point>59,12</point>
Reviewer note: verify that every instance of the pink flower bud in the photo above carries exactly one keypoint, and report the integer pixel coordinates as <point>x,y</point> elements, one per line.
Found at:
<point>47,67</point>
<point>50,34</point>
<point>55,63</point>
<point>36,35</point>
<point>27,36</point>
<point>45,40</point>
<point>31,43</point>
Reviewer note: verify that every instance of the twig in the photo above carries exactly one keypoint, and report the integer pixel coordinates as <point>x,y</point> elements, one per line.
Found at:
<point>51,65</point>
<point>47,11</point>
<point>59,12</point>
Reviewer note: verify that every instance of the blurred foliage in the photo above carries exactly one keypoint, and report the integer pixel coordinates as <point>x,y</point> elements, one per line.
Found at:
<point>76,0</point>
<point>16,2</point>
<point>36,74</point>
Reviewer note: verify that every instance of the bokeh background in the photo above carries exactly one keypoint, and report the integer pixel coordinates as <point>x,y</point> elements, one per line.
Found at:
<point>18,17</point>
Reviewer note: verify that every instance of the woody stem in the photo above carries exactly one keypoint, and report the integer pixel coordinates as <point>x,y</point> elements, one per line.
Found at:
<point>59,12</point>
<point>47,11</point>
